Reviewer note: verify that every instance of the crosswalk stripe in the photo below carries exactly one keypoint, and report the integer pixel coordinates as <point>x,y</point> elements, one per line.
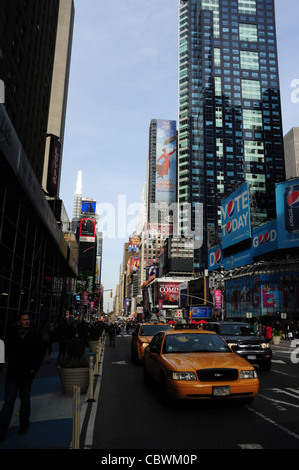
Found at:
<point>250,446</point>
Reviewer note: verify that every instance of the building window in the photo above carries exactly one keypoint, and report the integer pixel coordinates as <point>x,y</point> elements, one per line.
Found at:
<point>249,60</point>
<point>251,89</point>
<point>247,7</point>
<point>248,32</point>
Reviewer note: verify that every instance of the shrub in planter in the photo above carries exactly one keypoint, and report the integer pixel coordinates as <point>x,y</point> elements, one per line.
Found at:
<point>74,369</point>
<point>95,332</point>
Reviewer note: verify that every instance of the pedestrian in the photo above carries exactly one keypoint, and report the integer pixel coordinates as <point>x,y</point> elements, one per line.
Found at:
<point>268,334</point>
<point>112,334</point>
<point>47,337</point>
<point>24,354</point>
<point>63,334</point>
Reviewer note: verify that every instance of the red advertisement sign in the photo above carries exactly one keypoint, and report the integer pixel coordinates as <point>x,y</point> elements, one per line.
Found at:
<point>168,293</point>
<point>218,299</point>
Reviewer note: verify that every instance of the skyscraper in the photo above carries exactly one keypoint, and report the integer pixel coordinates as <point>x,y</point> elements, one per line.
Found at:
<point>27,48</point>
<point>230,127</point>
<point>59,89</point>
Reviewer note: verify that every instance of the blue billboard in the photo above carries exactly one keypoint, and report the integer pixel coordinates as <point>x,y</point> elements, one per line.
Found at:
<point>265,238</point>
<point>235,217</point>
<point>287,212</point>
<point>201,312</point>
<point>216,259</point>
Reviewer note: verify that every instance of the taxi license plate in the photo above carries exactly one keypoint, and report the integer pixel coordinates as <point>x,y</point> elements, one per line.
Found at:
<point>221,391</point>
<point>251,358</point>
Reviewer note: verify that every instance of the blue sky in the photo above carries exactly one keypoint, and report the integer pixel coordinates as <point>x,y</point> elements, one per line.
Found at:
<point>124,72</point>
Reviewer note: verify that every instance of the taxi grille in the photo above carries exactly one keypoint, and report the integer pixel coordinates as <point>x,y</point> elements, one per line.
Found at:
<point>217,375</point>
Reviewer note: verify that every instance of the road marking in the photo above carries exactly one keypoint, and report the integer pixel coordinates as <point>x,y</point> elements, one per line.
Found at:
<point>278,390</point>
<point>250,446</point>
<point>271,421</point>
<point>278,361</point>
<point>122,363</point>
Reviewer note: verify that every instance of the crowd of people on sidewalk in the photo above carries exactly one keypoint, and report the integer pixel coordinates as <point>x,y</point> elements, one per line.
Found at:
<point>288,329</point>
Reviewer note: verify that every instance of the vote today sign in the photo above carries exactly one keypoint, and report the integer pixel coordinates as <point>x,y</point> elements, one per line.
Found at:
<point>235,217</point>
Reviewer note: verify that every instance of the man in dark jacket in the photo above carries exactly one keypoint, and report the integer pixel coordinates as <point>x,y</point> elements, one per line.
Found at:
<point>24,353</point>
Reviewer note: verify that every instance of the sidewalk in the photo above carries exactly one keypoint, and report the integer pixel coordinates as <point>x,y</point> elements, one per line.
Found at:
<point>51,413</point>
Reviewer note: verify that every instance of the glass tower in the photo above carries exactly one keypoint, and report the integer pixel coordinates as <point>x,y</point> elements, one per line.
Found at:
<point>230,127</point>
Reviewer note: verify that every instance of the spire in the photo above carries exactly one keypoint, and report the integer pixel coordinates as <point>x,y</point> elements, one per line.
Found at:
<point>79,183</point>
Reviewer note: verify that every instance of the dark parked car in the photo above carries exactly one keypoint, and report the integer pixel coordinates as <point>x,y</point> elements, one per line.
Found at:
<point>242,339</point>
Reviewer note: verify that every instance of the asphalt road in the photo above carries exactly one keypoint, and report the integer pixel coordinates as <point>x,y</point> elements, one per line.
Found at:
<point>128,415</point>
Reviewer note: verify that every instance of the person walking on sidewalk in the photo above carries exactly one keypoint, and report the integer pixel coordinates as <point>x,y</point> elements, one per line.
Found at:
<point>24,352</point>
<point>112,334</point>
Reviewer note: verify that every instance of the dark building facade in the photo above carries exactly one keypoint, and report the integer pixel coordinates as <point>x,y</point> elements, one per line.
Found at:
<point>27,46</point>
<point>230,127</point>
<point>38,268</point>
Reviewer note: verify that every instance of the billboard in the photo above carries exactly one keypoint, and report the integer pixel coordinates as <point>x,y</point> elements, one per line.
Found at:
<point>87,256</point>
<point>265,294</point>
<point>54,166</point>
<point>216,259</point>
<point>166,161</point>
<point>88,207</point>
<point>287,212</point>
<point>134,244</point>
<point>87,230</point>
<point>168,293</point>
<point>201,312</point>
<point>264,238</point>
<point>235,217</point>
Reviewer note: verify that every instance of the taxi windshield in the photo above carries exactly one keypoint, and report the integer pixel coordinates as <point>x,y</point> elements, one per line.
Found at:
<point>151,330</point>
<point>197,342</point>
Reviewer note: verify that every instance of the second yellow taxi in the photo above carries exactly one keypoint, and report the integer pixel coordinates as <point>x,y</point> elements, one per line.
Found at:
<point>196,364</point>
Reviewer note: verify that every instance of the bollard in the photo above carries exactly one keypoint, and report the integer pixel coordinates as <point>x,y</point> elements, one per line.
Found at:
<point>91,379</point>
<point>76,418</point>
<point>97,362</point>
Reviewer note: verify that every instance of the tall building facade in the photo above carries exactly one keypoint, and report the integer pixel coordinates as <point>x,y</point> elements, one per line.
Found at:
<point>27,50</point>
<point>230,126</point>
<point>59,94</point>
<point>38,267</point>
<point>291,146</point>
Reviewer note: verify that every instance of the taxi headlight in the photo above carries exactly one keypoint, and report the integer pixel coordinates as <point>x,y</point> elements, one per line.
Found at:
<point>265,345</point>
<point>232,345</point>
<point>183,376</point>
<point>144,345</point>
<point>248,374</point>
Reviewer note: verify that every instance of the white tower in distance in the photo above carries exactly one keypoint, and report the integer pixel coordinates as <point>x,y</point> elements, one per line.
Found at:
<point>78,198</point>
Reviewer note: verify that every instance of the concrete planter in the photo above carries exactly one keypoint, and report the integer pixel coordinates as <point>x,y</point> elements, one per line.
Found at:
<point>73,377</point>
<point>276,340</point>
<point>93,345</point>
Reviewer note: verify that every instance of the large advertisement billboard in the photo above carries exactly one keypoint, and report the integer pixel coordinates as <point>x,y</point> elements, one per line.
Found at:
<point>235,217</point>
<point>287,211</point>
<point>168,293</point>
<point>87,230</point>
<point>166,161</point>
<point>265,239</point>
<point>265,294</point>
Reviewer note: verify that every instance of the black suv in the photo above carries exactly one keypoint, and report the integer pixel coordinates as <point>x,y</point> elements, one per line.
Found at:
<point>243,341</point>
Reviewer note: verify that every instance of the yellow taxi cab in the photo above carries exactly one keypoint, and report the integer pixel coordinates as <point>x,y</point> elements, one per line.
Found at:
<point>141,337</point>
<point>198,364</point>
